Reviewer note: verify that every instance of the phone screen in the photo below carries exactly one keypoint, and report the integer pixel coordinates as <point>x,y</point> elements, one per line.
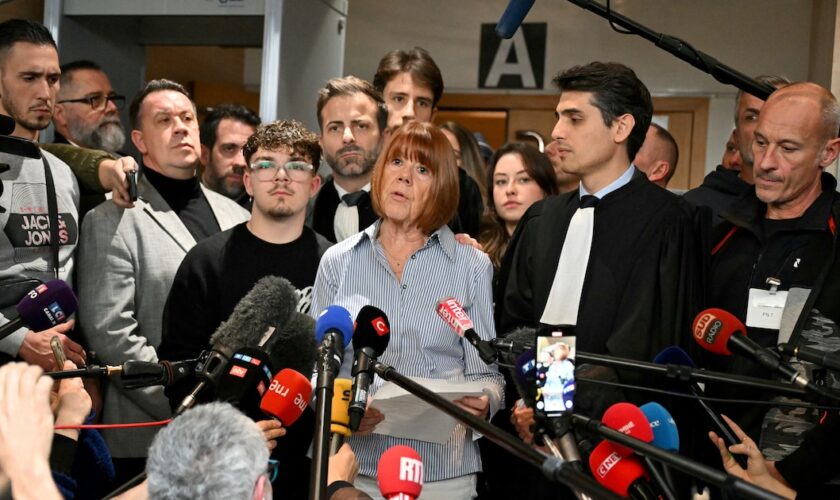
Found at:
<point>555,373</point>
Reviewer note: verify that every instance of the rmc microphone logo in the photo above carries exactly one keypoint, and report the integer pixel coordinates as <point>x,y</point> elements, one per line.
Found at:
<point>411,470</point>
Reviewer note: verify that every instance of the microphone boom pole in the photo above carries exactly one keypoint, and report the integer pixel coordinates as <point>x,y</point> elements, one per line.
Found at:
<point>553,468</point>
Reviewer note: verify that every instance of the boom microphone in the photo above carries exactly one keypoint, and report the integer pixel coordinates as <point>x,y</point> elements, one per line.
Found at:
<point>721,332</point>
<point>830,360</point>
<point>512,17</point>
<point>455,316</point>
<point>287,396</point>
<point>400,473</point>
<point>45,306</point>
<point>251,323</point>
<point>136,374</point>
<point>370,338</point>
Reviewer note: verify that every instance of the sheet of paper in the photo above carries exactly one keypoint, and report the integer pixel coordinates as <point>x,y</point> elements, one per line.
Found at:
<point>407,416</point>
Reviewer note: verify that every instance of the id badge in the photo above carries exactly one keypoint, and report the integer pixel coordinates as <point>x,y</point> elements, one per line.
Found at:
<point>765,308</point>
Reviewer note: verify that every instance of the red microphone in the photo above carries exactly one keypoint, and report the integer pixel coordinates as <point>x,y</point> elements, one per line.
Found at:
<point>453,313</point>
<point>722,333</point>
<point>628,419</point>
<point>287,396</point>
<point>617,472</point>
<point>400,473</point>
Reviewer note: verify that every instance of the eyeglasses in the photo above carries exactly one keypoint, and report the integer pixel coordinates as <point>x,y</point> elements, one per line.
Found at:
<point>99,102</point>
<point>266,170</point>
<point>273,465</point>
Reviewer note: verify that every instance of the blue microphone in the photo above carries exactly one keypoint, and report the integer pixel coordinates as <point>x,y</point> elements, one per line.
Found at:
<point>333,331</point>
<point>665,434</point>
<point>513,17</point>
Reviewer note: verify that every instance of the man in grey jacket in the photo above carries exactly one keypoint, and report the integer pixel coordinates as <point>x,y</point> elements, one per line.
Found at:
<point>128,258</point>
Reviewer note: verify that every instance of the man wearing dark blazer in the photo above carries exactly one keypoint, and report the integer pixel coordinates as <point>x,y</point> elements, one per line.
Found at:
<point>351,115</point>
<point>128,258</point>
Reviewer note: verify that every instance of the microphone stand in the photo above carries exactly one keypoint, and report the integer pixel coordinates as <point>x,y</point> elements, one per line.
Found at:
<point>554,468</point>
<point>328,366</point>
<point>728,483</point>
<point>682,50</point>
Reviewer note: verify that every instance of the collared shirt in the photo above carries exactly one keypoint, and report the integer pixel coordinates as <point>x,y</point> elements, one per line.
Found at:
<point>346,222</point>
<point>620,182</point>
<point>355,273</point>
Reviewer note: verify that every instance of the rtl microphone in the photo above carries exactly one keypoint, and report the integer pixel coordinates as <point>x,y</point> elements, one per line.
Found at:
<point>287,397</point>
<point>269,303</point>
<point>333,331</point>
<point>370,338</point>
<point>45,306</point>
<point>400,473</point>
<point>512,17</point>
<point>340,419</point>
<point>830,360</point>
<point>455,316</point>
<point>721,332</point>
<point>622,474</point>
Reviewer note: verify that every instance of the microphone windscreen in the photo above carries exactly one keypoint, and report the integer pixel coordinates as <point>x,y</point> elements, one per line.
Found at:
<point>450,310</point>
<point>524,376</point>
<point>47,305</point>
<point>665,433</point>
<point>287,396</point>
<point>524,337</point>
<point>268,303</point>
<point>400,471</point>
<point>613,470</point>
<point>628,419</point>
<point>334,319</point>
<point>513,16</point>
<point>713,327</point>
<point>342,390</point>
<point>372,329</point>
<point>292,345</point>
<point>674,355</point>
<point>245,380</point>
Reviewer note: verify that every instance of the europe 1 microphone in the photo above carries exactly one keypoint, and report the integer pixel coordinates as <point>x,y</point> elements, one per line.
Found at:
<point>370,338</point>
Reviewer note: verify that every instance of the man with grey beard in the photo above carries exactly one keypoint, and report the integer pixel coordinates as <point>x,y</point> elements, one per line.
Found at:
<point>87,112</point>
<point>352,116</point>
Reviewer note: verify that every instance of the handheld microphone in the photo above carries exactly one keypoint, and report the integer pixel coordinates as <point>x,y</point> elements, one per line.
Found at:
<point>622,474</point>
<point>455,316</point>
<point>287,396</point>
<point>665,433</point>
<point>251,322</point>
<point>370,338</point>
<point>45,306</point>
<point>245,380</point>
<point>333,331</point>
<point>340,419</point>
<point>721,332</point>
<point>400,473</point>
<point>512,17</point>
<point>830,360</point>
<point>627,419</point>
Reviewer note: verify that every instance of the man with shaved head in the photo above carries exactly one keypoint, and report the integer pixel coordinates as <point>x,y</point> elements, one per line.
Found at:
<point>658,155</point>
<point>776,256</point>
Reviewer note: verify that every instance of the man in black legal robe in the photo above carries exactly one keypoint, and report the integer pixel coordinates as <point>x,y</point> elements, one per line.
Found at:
<point>641,287</point>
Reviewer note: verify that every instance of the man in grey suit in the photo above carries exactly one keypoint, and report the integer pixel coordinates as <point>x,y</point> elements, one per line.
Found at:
<point>128,258</point>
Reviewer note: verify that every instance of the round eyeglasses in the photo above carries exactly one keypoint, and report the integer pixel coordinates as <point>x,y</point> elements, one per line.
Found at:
<point>266,170</point>
<point>99,102</point>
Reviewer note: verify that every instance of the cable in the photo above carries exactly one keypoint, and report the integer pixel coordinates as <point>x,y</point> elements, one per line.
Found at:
<point>612,24</point>
<point>114,426</point>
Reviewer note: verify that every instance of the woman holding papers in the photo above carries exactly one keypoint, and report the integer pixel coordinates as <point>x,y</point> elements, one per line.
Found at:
<point>404,264</point>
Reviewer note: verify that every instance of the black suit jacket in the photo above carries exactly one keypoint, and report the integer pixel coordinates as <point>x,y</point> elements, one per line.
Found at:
<point>326,203</point>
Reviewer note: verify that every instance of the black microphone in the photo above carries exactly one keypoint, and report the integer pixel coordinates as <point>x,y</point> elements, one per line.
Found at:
<point>45,306</point>
<point>136,374</point>
<point>245,380</point>
<point>370,338</point>
<point>512,17</point>
<point>830,360</point>
<point>252,322</point>
<point>293,344</point>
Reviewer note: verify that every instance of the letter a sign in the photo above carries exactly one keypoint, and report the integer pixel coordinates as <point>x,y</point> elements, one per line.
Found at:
<point>515,63</point>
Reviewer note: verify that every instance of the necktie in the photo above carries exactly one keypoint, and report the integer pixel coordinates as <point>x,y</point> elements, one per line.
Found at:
<point>564,299</point>
<point>353,199</point>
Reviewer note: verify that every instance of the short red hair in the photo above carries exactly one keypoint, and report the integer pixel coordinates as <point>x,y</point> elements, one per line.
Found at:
<point>423,143</point>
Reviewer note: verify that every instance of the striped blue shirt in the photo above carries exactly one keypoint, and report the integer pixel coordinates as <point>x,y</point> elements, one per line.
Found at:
<point>355,273</point>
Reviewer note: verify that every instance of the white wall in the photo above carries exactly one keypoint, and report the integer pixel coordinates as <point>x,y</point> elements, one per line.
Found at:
<point>751,36</point>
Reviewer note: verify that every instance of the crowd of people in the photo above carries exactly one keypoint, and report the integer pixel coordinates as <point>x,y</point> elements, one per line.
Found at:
<point>382,207</point>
